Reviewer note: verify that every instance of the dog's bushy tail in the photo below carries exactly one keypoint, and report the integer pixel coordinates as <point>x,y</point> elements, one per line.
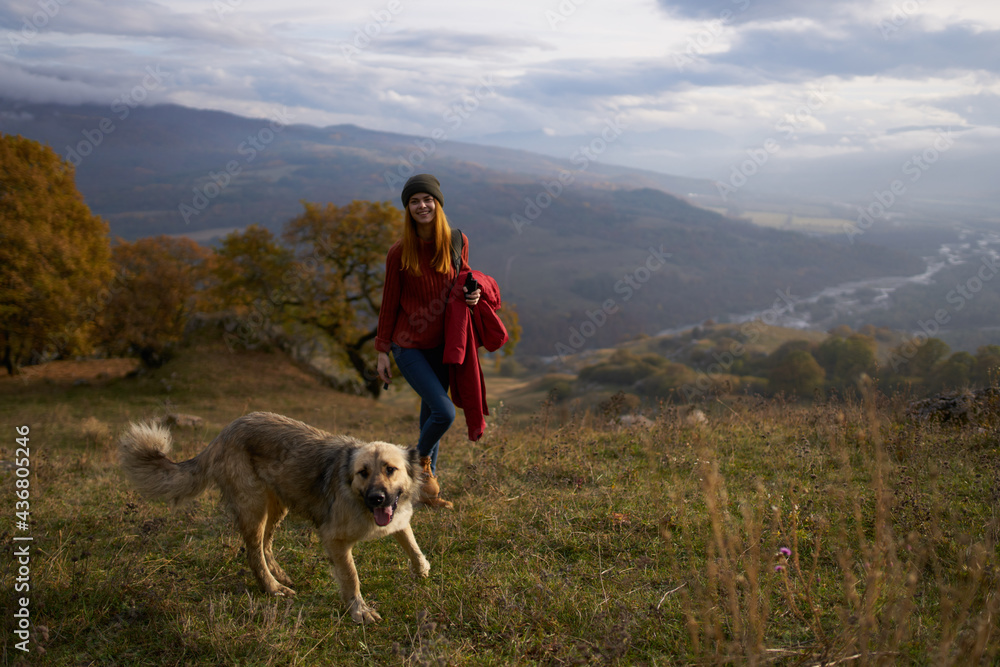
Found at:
<point>143,449</point>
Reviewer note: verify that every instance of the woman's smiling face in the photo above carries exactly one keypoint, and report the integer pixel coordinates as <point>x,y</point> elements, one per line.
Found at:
<point>423,208</point>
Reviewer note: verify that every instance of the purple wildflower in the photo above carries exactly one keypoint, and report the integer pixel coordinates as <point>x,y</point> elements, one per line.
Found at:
<point>779,568</point>
<point>785,551</point>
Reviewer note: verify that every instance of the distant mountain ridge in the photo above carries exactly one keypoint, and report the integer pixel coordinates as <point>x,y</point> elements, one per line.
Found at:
<point>580,247</point>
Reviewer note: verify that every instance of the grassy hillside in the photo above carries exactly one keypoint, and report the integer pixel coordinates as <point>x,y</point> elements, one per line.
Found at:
<point>772,534</point>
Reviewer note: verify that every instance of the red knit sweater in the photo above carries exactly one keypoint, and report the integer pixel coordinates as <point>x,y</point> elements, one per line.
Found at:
<point>412,311</point>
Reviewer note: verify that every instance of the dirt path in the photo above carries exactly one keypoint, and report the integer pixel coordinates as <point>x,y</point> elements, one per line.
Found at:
<point>71,371</point>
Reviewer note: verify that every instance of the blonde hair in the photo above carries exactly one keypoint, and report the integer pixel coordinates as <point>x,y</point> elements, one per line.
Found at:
<point>441,261</point>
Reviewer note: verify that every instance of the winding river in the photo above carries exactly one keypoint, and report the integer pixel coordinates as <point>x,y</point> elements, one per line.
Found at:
<point>855,298</point>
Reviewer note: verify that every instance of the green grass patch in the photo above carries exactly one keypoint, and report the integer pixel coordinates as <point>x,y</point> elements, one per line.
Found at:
<point>773,534</point>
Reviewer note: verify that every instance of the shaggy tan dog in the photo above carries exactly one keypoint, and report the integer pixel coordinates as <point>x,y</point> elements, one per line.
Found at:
<point>267,465</point>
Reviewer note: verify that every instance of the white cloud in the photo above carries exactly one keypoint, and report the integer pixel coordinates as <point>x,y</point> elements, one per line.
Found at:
<point>557,72</point>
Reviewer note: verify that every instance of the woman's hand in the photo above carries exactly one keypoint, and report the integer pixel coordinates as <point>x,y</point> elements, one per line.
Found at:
<point>472,298</point>
<point>384,368</point>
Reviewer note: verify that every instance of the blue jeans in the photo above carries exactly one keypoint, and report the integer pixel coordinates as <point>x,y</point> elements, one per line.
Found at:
<point>427,374</point>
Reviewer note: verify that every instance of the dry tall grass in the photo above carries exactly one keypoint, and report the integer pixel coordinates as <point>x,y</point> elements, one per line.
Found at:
<point>772,534</point>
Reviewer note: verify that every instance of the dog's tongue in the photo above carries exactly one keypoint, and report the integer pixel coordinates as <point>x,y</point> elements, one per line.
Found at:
<point>383,515</point>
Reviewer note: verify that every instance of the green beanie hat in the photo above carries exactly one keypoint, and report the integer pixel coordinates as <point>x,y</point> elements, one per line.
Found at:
<point>422,183</point>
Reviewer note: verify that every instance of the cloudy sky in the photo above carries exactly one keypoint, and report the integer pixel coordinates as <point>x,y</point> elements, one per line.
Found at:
<point>697,86</point>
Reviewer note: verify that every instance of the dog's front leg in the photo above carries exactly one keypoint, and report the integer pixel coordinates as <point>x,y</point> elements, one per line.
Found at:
<point>419,565</point>
<point>339,552</point>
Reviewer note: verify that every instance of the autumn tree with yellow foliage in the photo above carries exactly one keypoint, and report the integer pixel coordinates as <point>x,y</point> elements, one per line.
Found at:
<point>158,293</point>
<point>329,279</point>
<point>54,257</point>
<point>253,274</point>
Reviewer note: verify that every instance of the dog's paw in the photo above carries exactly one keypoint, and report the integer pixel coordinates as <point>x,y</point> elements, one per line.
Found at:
<point>362,613</point>
<point>282,591</point>
<point>438,503</point>
<point>281,577</point>
<point>421,569</point>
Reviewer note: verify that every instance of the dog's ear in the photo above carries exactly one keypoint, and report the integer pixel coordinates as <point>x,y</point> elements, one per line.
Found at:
<point>347,467</point>
<point>413,463</point>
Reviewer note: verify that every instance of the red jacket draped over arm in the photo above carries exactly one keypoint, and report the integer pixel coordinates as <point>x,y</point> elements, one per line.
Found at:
<point>465,330</point>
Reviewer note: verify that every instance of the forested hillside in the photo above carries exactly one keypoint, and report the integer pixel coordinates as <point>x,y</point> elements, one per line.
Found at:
<point>570,241</point>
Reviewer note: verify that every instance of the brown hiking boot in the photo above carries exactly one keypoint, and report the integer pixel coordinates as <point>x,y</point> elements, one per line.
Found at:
<point>430,492</point>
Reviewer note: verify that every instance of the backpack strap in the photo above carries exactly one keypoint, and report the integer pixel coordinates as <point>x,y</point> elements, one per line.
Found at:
<point>457,245</point>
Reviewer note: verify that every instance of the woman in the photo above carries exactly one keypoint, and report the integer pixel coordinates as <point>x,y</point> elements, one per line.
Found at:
<point>419,274</point>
